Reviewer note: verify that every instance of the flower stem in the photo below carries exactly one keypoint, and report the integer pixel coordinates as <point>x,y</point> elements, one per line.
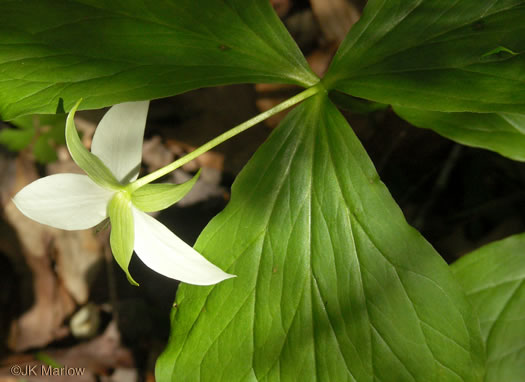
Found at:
<point>225,136</point>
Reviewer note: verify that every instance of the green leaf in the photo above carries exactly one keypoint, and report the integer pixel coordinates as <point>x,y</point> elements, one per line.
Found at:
<point>43,150</point>
<point>494,279</point>
<point>87,161</point>
<point>122,235</point>
<point>436,55</point>
<point>503,133</point>
<point>17,139</point>
<point>158,196</point>
<point>53,127</point>
<point>26,122</point>
<point>332,283</point>
<point>53,52</point>
<point>50,134</point>
<point>44,131</point>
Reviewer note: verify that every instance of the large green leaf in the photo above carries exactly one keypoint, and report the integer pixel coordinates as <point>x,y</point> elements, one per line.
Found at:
<point>463,55</point>
<point>332,283</point>
<point>500,132</point>
<point>494,279</point>
<point>53,52</point>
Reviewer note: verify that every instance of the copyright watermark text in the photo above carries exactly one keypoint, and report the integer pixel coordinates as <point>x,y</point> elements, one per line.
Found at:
<point>46,370</point>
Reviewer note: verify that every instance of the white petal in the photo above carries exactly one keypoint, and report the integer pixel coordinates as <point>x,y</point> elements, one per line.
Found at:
<point>65,201</point>
<point>168,255</point>
<point>118,139</point>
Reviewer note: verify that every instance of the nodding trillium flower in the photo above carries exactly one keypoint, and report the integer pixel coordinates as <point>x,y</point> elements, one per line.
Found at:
<point>73,201</point>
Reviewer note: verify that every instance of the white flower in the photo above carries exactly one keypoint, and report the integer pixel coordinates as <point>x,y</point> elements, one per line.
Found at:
<point>73,201</point>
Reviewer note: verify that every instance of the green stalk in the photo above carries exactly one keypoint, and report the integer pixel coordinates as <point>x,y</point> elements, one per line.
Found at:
<point>224,137</point>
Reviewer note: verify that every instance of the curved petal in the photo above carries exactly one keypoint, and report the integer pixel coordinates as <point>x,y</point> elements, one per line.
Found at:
<point>165,253</point>
<point>65,201</point>
<point>118,139</point>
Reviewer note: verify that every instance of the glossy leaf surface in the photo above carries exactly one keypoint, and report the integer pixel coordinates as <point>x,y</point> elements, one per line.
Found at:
<point>53,52</point>
<point>494,279</point>
<point>503,133</point>
<point>332,283</point>
<point>437,55</point>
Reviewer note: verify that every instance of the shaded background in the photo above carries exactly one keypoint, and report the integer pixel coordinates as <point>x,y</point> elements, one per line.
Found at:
<point>64,301</point>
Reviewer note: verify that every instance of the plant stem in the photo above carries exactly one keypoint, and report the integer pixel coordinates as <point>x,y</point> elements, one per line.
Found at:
<point>225,136</point>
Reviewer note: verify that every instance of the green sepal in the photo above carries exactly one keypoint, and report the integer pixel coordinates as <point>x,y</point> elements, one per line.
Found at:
<point>158,196</point>
<point>122,237</point>
<point>90,163</point>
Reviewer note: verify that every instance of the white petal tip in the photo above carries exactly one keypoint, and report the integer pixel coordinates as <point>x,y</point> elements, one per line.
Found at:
<point>167,254</point>
<point>215,277</point>
<point>216,280</point>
